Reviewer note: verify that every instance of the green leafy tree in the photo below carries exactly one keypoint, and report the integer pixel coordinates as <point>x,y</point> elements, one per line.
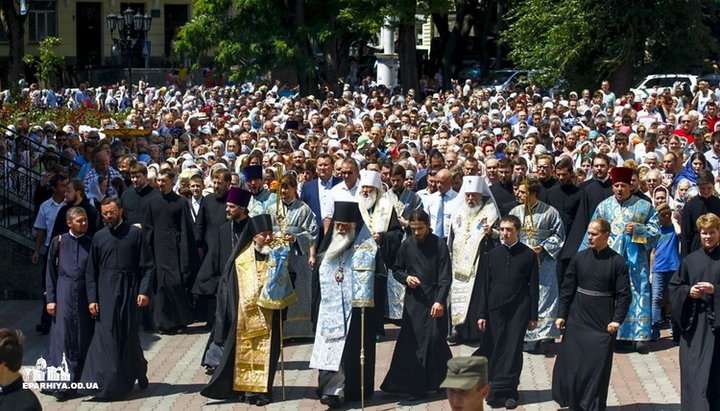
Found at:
<point>250,38</point>
<point>49,63</point>
<point>584,41</point>
<point>14,24</point>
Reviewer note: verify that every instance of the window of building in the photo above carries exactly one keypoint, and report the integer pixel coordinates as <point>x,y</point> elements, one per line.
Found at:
<point>42,19</point>
<point>419,33</point>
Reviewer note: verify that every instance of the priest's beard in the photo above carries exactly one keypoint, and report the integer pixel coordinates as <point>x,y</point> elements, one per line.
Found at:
<point>469,212</point>
<point>340,242</point>
<point>264,250</point>
<point>367,202</point>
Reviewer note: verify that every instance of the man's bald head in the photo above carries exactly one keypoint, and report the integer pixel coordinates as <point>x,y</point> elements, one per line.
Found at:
<point>444,180</point>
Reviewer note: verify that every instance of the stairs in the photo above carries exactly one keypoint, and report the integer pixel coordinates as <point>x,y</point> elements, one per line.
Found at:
<point>18,183</point>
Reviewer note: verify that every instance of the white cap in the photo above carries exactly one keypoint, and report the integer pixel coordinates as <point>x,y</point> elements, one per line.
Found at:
<point>473,184</point>
<point>370,178</point>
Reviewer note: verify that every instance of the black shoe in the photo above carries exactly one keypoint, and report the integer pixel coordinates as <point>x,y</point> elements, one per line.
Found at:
<point>332,401</point>
<point>511,403</point>
<point>143,382</point>
<point>453,338</point>
<point>496,403</point>
<point>61,396</point>
<point>210,370</point>
<point>263,400</point>
<point>641,347</point>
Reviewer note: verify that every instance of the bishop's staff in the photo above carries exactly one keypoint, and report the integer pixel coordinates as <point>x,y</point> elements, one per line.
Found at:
<point>278,292</point>
<point>532,229</point>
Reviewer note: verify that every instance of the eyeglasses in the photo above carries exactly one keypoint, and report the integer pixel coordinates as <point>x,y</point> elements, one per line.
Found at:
<point>686,121</point>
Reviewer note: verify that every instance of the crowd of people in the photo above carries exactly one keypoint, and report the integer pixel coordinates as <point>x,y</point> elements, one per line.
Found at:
<point>504,219</point>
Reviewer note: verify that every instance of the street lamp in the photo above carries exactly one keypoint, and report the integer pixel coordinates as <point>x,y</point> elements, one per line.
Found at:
<point>130,27</point>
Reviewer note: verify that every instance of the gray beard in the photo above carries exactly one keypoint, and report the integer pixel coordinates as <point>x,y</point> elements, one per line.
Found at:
<point>368,202</point>
<point>264,250</point>
<point>338,245</point>
<point>468,212</point>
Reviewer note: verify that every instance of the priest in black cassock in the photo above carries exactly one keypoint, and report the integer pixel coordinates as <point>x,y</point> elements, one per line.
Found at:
<point>72,326</point>
<point>508,308</point>
<point>210,217</point>
<point>594,299</point>
<point>697,311</point>
<point>705,202</point>
<point>212,211</point>
<point>565,197</point>
<point>594,191</point>
<point>117,281</point>
<point>13,396</point>
<point>251,348</point>
<point>421,352</point>
<point>75,197</point>
<point>135,201</point>
<point>502,191</point>
<point>210,282</point>
<point>343,279</point>
<point>170,238</point>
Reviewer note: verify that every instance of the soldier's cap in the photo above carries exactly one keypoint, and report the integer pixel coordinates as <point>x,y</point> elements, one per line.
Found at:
<point>464,372</point>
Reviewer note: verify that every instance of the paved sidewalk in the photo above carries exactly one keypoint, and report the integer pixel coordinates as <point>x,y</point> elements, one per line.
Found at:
<point>639,382</point>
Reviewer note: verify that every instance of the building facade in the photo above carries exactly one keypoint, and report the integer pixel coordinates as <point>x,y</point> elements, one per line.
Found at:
<point>87,41</point>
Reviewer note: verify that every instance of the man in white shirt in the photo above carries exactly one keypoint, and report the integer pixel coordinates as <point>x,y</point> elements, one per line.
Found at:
<point>713,155</point>
<point>649,114</point>
<point>344,191</point>
<point>47,213</point>
<point>440,204</point>
<point>197,185</point>
<point>44,223</point>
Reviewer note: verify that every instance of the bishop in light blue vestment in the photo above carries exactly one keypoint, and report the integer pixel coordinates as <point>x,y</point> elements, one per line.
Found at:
<point>635,248</point>
<point>542,226</point>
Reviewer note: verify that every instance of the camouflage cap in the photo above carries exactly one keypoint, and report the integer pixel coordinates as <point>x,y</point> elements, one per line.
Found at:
<point>464,372</point>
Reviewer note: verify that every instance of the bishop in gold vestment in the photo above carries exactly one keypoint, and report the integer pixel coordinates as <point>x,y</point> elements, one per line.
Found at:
<point>252,348</point>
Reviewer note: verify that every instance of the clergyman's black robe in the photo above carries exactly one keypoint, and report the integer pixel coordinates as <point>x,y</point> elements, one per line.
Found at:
<point>594,192</point>
<point>93,217</point>
<point>700,341</point>
<point>504,196</point>
<point>582,370</point>
<point>566,199</point>
<point>136,202</point>
<point>211,216</point>
<point>211,283</point>
<point>690,213</point>
<point>387,251</point>
<point>508,301</point>
<point>119,268</point>
<point>225,329</point>
<point>170,238</point>
<point>421,352</point>
<point>72,327</point>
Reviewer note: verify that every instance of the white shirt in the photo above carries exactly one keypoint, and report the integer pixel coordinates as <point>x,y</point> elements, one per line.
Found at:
<point>713,159</point>
<point>45,219</point>
<point>341,192</point>
<point>195,204</point>
<point>432,207</point>
<point>325,194</point>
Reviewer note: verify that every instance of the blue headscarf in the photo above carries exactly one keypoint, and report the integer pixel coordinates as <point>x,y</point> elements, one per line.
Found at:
<point>688,173</point>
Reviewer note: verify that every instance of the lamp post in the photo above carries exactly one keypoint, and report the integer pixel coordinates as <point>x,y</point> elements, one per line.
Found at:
<point>130,27</point>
